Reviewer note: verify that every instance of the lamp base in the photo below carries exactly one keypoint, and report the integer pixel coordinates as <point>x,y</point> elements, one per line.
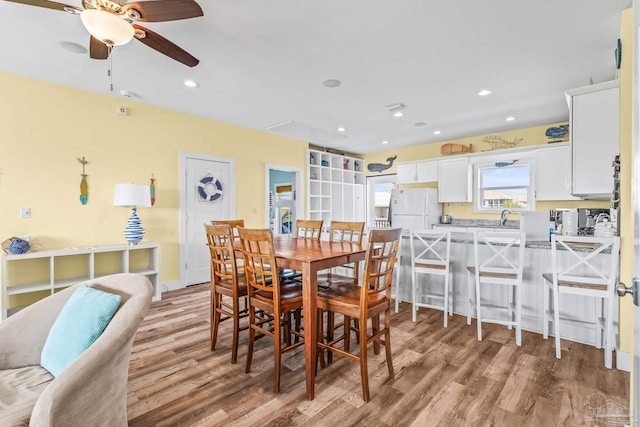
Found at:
<point>134,231</point>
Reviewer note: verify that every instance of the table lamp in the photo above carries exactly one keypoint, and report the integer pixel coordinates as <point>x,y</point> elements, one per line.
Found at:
<point>132,196</point>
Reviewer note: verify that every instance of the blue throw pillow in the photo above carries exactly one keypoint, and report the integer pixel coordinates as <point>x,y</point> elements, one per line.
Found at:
<point>80,322</point>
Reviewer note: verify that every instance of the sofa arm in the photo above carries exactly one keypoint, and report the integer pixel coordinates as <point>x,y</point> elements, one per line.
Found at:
<point>23,335</point>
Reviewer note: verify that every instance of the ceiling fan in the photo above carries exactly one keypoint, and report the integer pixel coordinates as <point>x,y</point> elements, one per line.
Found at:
<point>111,23</point>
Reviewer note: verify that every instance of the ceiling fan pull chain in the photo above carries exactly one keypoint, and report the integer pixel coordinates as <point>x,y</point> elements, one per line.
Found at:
<point>109,62</point>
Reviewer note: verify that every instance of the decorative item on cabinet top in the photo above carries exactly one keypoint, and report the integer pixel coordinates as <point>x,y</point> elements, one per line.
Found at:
<point>557,133</point>
<point>84,188</point>
<point>379,167</point>
<point>451,148</point>
<point>498,143</point>
<point>15,245</point>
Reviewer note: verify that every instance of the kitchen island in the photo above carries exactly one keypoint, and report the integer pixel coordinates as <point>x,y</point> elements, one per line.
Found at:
<point>537,261</point>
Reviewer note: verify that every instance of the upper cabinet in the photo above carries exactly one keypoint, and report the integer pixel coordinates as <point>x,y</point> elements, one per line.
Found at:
<point>553,173</point>
<point>416,172</point>
<point>595,128</point>
<point>454,180</point>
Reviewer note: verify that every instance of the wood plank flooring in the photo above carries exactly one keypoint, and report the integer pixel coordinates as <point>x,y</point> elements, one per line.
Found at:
<point>442,377</point>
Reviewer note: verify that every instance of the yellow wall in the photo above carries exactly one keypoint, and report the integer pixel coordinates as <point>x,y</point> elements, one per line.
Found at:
<point>46,127</point>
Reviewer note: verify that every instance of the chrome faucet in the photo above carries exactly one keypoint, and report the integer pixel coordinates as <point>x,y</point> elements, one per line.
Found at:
<point>503,218</point>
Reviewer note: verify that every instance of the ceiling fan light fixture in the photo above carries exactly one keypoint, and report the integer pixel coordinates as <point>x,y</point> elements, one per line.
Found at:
<point>107,27</point>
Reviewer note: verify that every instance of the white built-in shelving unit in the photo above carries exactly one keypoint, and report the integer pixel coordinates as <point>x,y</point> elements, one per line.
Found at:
<point>50,270</point>
<point>335,187</point>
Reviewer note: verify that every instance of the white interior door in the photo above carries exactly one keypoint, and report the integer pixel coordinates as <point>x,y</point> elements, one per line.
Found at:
<point>208,193</point>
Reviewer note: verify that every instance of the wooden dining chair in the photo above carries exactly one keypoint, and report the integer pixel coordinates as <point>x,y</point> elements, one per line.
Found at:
<point>225,282</point>
<point>308,229</point>
<point>348,232</point>
<point>588,266</point>
<point>365,302</point>
<point>270,303</point>
<point>233,223</point>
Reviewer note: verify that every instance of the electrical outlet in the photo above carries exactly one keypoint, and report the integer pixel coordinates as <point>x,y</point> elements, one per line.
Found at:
<point>25,213</point>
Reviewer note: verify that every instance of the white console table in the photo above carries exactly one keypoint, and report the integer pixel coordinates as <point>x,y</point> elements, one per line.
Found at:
<point>54,269</point>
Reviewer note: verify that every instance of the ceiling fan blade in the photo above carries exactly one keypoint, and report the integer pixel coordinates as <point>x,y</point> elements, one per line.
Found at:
<point>164,46</point>
<point>97,49</point>
<point>43,3</point>
<point>165,10</point>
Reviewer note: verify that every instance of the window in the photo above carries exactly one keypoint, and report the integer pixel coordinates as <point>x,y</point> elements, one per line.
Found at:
<point>378,198</point>
<point>504,187</point>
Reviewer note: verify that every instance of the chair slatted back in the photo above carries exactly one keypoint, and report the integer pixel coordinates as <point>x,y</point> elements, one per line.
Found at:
<point>233,223</point>
<point>430,249</point>
<point>382,249</point>
<point>223,260</point>
<point>344,231</point>
<point>259,262</point>
<point>506,254</point>
<point>580,265</point>
<point>308,229</point>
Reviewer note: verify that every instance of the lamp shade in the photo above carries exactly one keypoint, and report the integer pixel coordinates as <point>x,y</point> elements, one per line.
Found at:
<point>132,195</point>
<point>107,27</point>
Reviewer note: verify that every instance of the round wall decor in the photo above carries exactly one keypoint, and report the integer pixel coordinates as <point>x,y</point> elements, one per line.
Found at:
<point>209,189</point>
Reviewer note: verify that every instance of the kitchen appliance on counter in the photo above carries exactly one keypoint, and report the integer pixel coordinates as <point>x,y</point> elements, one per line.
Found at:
<point>415,208</point>
<point>587,218</point>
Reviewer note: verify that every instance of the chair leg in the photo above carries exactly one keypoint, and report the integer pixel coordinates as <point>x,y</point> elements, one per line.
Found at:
<point>387,341</point>
<point>331,317</point>
<point>478,311</point>
<point>608,355</point>
<point>364,371</point>
<point>320,332</point>
<point>215,319</point>
<point>414,297</point>
<point>519,314</point>
<point>252,335</point>
<point>277,351</point>
<point>347,332</point>
<point>375,327</point>
<point>468,298</point>
<point>236,335</point>
<point>545,310</point>
<point>556,319</point>
<point>446,299</point>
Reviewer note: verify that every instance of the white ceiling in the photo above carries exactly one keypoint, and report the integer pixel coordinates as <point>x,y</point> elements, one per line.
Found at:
<point>263,62</point>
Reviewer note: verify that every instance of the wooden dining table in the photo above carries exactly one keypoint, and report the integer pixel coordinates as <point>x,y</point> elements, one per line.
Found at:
<point>309,257</point>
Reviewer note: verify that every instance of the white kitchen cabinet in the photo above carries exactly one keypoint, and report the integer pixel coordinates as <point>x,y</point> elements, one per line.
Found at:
<point>594,123</point>
<point>335,185</point>
<point>553,173</point>
<point>41,273</point>
<point>417,172</point>
<point>454,180</point>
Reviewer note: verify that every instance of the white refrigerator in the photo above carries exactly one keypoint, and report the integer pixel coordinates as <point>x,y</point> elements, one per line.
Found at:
<point>415,208</point>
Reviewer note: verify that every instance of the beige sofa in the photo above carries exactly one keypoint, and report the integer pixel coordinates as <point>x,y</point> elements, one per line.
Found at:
<point>91,391</point>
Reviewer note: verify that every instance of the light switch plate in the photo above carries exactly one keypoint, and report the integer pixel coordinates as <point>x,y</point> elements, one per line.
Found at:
<point>25,212</point>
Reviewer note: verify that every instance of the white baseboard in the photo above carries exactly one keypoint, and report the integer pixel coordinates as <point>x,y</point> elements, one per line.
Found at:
<point>623,361</point>
<point>171,286</point>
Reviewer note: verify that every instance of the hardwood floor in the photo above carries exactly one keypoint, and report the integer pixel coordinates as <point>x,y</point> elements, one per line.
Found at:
<point>442,377</point>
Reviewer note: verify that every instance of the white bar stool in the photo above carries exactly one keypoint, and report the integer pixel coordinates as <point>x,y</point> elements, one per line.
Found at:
<point>588,266</point>
<point>498,260</point>
<point>430,254</point>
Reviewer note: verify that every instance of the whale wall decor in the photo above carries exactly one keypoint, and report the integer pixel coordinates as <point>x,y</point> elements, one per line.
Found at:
<point>379,167</point>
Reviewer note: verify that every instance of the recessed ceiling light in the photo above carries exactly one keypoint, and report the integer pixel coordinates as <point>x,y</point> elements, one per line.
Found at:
<point>385,142</point>
<point>510,118</point>
<point>420,124</point>
<point>331,83</point>
<point>398,114</point>
<point>191,83</point>
<point>126,93</point>
<point>436,132</point>
<point>484,92</point>
<point>341,129</point>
